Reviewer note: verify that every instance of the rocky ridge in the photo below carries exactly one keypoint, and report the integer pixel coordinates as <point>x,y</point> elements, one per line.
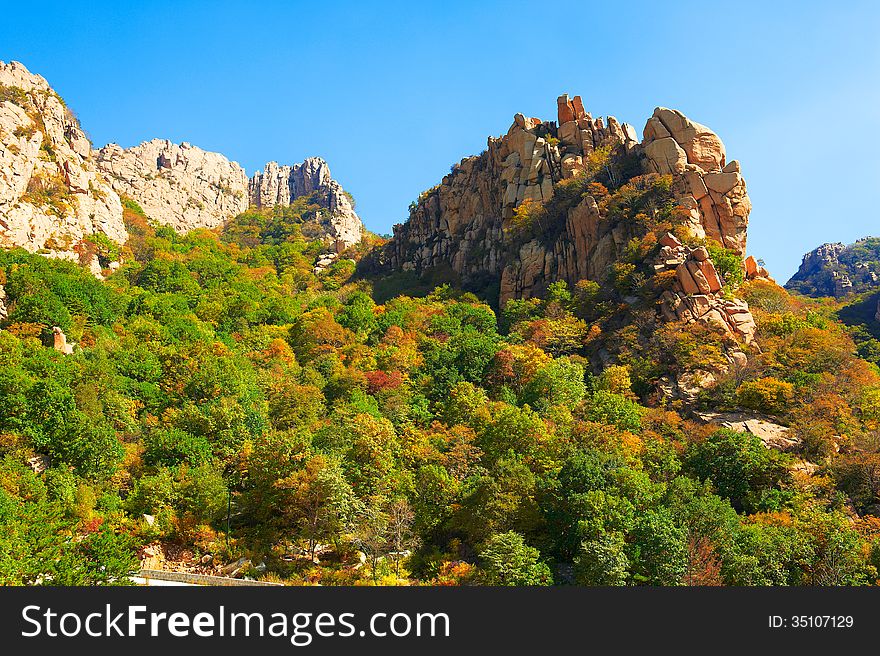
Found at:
<point>56,191</point>
<point>51,192</point>
<point>281,185</point>
<point>181,186</point>
<point>464,222</point>
<point>838,270</point>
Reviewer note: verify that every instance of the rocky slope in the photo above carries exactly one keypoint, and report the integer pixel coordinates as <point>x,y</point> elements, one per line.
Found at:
<point>467,222</point>
<point>51,192</point>
<point>281,185</point>
<point>837,270</point>
<point>55,191</point>
<point>181,186</point>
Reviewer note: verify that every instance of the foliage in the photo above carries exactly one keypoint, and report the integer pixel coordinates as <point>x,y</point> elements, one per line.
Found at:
<point>508,560</point>
<point>349,432</point>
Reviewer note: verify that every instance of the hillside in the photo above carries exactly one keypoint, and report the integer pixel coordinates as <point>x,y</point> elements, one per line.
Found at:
<point>838,270</point>
<point>61,198</point>
<point>562,369</point>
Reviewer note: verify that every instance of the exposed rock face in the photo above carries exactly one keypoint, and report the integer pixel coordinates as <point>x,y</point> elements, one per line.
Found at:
<point>182,186</point>
<point>838,270</point>
<point>51,194</point>
<point>462,222</point>
<point>4,313</point>
<point>773,435</point>
<point>712,189</point>
<point>60,341</point>
<point>695,295</point>
<point>282,185</point>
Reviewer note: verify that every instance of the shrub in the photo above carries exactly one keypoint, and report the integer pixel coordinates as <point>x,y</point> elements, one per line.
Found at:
<point>765,395</point>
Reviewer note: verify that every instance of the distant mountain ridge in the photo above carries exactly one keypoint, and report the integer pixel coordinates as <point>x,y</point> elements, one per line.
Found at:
<point>56,191</point>
<point>839,270</point>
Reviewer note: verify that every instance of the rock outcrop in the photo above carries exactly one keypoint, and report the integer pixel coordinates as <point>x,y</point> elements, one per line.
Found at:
<point>463,223</point>
<point>696,293</point>
<point>181,186</point>
<point>59,341</point>
<point>837,270</point>
<point>282,185</point>
<point>51,193</point>
<point>712,189</point>
<point>773,435</point>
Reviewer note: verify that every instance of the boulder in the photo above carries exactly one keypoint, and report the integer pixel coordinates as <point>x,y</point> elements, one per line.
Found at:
<point>666,156</point>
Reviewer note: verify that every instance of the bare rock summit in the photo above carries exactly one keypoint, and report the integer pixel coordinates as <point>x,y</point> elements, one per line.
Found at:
<point>282,185</point>
<point>52,195</point>
<point>179,185</point>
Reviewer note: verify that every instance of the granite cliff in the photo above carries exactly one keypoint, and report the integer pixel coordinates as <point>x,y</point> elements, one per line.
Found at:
<point>838,270</point>
<point>558,174</point>
<point>280,185</point>
<point>57,193</point>
<point>52,194</point>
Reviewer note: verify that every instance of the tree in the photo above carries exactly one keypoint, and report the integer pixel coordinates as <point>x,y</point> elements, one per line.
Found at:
<point>371,534</point>
<point>40,546</point>
<point>739,465</point>
<point>659,549</point>
<point>508,560</point>
<point>400,529</point>
<point>320,502</point>
<point>602,561</point>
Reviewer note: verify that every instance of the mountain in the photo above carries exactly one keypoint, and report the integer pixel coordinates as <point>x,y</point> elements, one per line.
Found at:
<point>658,225</point>
<point>279,186</point>
<point>57,193</point>
<point>564,368</point>
<point>839,270</point>
<point>181,186</point>
<point>52,195</point>
<point>467,222</point>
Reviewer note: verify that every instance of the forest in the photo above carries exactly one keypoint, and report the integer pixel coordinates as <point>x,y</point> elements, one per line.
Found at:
<point>227,402</point>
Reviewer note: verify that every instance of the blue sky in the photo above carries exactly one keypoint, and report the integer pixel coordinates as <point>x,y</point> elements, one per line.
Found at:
<point>392,94</point>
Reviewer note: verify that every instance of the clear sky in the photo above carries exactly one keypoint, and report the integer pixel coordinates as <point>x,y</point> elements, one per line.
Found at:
<point>392,94</point>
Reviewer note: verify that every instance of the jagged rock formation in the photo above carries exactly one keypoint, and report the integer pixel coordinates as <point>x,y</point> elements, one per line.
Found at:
<point>282,185</point>
<point>837,270</point>
<point>711,189</point>
<point>4,313</point>
<point>55,190</point>
<point>51,194</point>
<point>462,223</point>
<point>182,186</point>
<point>695,295</point>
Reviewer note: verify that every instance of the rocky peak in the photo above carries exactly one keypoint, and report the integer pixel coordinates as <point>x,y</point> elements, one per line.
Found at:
<point>55,191</point>
<point>709,187</point>
<point>179,185</point>
<point>282,185</point>
<point>838,270</point>
<point>463,222</point>
<point>51,194</point>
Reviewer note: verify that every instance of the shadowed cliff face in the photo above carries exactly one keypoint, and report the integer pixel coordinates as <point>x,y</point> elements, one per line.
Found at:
<point>465,221</point>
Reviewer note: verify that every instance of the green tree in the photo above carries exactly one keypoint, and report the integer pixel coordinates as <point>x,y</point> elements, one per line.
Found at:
<point>602,561</point>
<point>508,560</point>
